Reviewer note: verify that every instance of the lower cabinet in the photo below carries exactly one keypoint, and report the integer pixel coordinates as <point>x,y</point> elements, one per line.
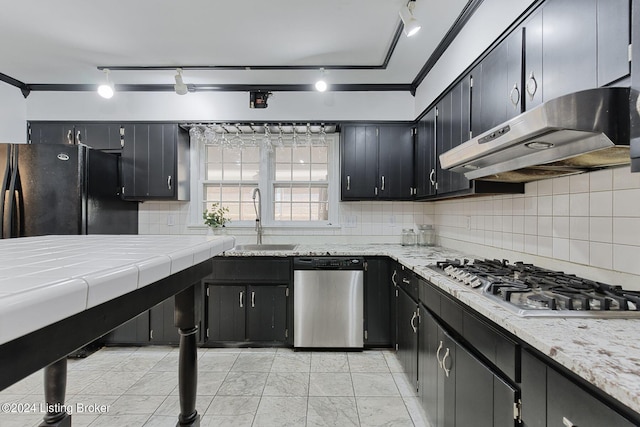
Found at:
<point>407,335</point>
<point>247,313</point>
<point>455,387</point>
<point>378,331</point>
<point>155,326</point>
<point>549,398</point>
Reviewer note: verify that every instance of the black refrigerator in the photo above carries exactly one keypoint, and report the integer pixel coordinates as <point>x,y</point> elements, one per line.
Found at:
<point>62,189</point>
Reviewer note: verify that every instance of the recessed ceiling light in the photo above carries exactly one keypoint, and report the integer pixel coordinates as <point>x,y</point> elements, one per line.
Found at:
<point>321,85</point>
<point>106,89</point>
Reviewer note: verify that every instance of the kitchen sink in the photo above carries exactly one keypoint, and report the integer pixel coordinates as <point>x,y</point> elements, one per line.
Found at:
<point>266,247</point>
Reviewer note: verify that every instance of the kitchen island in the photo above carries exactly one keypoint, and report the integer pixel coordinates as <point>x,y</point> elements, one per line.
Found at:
<point>59,293</point>
<point>603,352</point>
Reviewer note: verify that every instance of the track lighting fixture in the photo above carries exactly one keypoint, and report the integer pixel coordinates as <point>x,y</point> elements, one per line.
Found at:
<point>411,25</point>
<point>180,87</point>
<point>106,89</point>
<point>321,85</point>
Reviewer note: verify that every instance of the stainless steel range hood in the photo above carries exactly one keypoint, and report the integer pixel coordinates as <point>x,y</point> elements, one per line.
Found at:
<point>571,134</point>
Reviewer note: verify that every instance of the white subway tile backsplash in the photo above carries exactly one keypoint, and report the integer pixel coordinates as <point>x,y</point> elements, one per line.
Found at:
<point>625,203</point>
<point>601,229</point>
<point>561,185</point>
<point>624,179</point>
<point>579,183</point>
<point>545,205</point>
<point>545,187</point>
<point>626,231</point>
<point>625,258</point>
<point>531,225</point>
<point>601,180</point>
<point>561,248</point>
<point>531,244</point>
<point>545,246</point>
<point>545,226</point>
<point>601,255</point>
<point>561,227</point>
<point>531,188</point>
<point>601,203</point>
<point>578,228</point>
<point>531,206</point>
<point>561,205</point>
<point>517,225</point>
<point>579,204</point>
<point>579,251</point>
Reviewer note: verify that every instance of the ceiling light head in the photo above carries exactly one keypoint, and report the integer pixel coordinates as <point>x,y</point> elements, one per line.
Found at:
<point>180,87</point>
<point>411,25</point>
<point>321,84</point>
<point>106,89</point>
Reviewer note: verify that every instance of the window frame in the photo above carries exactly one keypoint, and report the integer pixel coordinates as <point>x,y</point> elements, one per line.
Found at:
<point>266,181</point>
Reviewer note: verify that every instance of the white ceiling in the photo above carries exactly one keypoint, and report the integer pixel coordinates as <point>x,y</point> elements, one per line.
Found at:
<point>64,41</point>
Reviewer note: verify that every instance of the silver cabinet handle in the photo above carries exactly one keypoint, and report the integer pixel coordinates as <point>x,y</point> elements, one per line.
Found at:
<point>444,366</point>
<point>79,137</point>
<point>348,182</point>
<point>438,354</point>
<point>70,137</point>
<point>241,298</point>
<point>515,91</point>
<point>532,86</point>
<point>393,278</point>
<point>382,186</point>
<point>169,182</point>
<point>412,325</point>
<point>567,422</point>
<point>253,299</point>
<point>405,280</point>
<point>432,177</point>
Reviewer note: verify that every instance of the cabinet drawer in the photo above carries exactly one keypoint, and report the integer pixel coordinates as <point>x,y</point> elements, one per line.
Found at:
<point>429,296</point>
<point>500,350</point>
<point>253,270</point>
<point>408,282</point>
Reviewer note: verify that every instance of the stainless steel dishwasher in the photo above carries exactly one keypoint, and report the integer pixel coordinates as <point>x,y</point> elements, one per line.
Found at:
<point>328,299</point>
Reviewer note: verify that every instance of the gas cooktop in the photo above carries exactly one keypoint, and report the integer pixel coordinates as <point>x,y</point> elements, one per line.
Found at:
<point>528,290</point>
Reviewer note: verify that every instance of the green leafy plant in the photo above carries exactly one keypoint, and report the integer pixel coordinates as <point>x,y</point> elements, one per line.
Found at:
<point>215,216</point>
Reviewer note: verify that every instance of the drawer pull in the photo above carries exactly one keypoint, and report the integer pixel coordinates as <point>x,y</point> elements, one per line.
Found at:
<point>406,281</point>
<point>567,422</point>
<point>241,298</point>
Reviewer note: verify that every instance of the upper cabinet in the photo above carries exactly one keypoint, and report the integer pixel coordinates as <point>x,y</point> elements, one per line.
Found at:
<point>376,162</point>
<point>572,45</point>
<point>155,162</point>
<point>100,136</point>
<point>425,156</point>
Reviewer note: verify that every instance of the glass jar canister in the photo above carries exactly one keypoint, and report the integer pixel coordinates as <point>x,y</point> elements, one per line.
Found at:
<point>409,237</point>
<point>426,235</point>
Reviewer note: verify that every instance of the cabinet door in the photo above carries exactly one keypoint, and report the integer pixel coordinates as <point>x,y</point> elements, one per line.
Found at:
<point>162,325</point>
<point>613,40</point>
<point>99,136</point>
<point>407,327</point>
<point>267,313</point>
<point>443,142</point>
<point>513,91</point>
<point>135,331</point>
<point>425,156</point>
<point>135,161</point>
<point>533,387</point>
<point>460,127</point>
<point>569,404</point>
<point>359,151</point>
<point>395,162</point>
<point>428,365</point>
<point>377,306</point>
<point>533,90</point>
<point>162,159</point>
<point>51,133</point>
<point>569,47</point>
<point>446,380</point>
<point>226,313</point>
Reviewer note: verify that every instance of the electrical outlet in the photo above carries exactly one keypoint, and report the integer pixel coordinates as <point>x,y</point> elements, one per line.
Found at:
<point>392,220</point>
<point>171,220</point>
<point>350,221</point>
<point>467,220</point>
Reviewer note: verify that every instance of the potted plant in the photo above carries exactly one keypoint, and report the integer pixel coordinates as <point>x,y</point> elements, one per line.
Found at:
<point>215,217</point>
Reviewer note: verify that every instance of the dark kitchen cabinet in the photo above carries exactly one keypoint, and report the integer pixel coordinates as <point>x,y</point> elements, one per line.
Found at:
<point>247,313</point>
<point>497,85</point>
<point>452,128</point>
<point>247,301</point>
<point>376,162</point>
<point>135,331</point>
<point>573,45</point>
<point>425,156</point>
<point>155,162</point>
<point>100,136</point>
<point>407,335</point>
<point>565,403</point>
<point>377,303</point>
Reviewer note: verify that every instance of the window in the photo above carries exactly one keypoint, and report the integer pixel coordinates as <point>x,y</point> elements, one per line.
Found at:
<point>295,181</point>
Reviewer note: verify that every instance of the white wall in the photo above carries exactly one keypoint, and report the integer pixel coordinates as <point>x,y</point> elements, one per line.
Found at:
<point>586,224</point>
<point>13,114</point>
<point>491,19</point>
<point>220,106</point>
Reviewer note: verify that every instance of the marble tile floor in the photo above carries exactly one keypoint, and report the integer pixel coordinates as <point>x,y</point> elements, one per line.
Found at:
<point>133,387</point>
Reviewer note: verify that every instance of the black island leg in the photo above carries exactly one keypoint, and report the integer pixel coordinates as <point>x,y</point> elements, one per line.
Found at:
<point>186,320</point>
<point>55,387</point>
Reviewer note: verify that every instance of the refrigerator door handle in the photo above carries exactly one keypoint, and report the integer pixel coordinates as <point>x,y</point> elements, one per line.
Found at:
<point>3,189</point>
<point>10,213</point>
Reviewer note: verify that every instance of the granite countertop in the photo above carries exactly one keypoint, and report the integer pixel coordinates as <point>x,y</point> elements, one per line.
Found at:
<point>49,278</point>
<point>605,352</point>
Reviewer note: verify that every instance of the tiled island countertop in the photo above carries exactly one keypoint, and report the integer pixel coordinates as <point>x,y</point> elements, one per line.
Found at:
<point>604,352</point>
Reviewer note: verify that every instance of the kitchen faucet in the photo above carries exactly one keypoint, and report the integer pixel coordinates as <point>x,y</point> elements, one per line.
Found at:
<point>258,209</point>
